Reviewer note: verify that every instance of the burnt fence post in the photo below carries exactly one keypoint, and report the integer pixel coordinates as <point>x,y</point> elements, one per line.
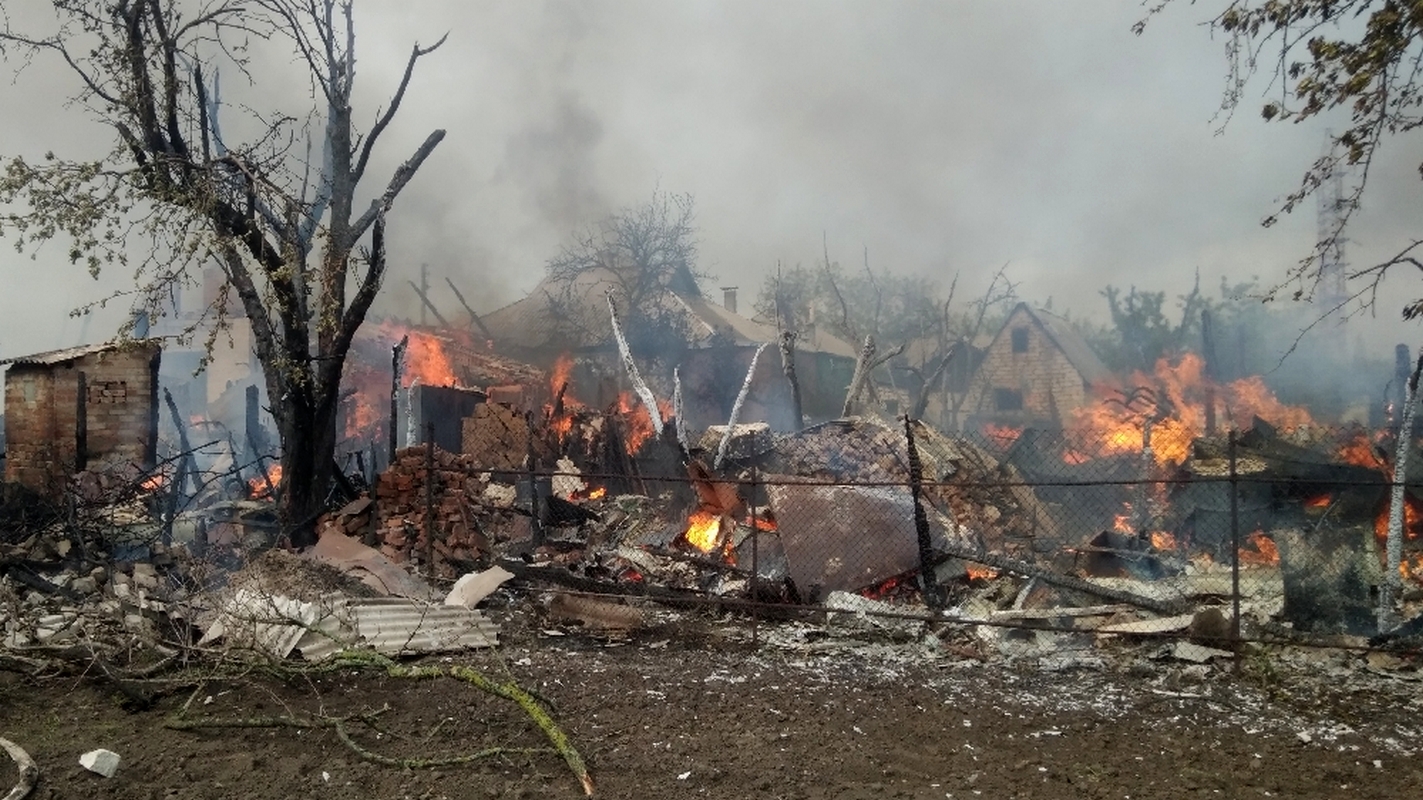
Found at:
<point>755,561</point>
<point>396,353</point>
<point>928,583</point>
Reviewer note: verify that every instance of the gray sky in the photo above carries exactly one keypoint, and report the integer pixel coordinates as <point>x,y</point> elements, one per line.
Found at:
<point>944,136</point>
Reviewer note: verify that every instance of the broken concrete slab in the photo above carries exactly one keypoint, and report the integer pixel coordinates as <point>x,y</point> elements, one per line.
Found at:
<point>1196,653</point>
<point>746,441</point>
<point>101,762</point>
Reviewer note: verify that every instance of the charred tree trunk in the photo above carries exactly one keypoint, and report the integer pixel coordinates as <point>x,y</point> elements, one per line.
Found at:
<point>308,442</point>
<point>921,403</point>
<point>1392,588</point>
<point>862,371</point>
<point>788,367</point>
<point>1212,370</point>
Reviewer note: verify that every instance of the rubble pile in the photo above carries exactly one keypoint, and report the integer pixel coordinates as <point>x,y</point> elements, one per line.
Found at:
<point>962,480</point>
<point>409,509</point>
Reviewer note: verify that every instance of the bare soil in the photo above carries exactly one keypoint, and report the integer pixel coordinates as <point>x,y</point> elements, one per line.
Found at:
<point>692,709</point>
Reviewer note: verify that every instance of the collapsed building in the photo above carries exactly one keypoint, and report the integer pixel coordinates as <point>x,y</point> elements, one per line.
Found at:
<point>71,410</point>
<point>1099,503</point>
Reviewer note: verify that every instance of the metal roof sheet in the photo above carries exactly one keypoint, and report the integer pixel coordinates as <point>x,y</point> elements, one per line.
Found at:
<point>52,358</point>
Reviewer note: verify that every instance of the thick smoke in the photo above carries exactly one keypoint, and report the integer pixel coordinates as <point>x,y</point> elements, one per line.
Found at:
<point>946,137</point>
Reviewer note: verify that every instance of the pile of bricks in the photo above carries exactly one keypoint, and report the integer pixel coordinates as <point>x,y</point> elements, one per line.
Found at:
<point>401,505</point>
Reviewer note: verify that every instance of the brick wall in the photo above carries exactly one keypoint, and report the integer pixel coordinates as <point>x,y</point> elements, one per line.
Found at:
<point>29,426</point>
<point>42,410</point>
<point>1049,385</point>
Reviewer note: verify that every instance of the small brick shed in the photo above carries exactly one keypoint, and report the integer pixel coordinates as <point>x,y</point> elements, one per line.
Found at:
<point>66,410</point>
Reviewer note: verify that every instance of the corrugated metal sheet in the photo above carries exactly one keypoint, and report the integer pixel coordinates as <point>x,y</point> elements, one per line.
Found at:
<point>395,625</point>
<point>54,357</point>
<point>280,625</point>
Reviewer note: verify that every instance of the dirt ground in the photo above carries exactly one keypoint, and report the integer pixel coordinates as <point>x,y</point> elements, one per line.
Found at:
<point>692,709</point>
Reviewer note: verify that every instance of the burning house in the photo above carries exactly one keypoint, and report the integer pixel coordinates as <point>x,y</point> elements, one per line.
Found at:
<point>76,409</point>
<point>713,345</point>
<point>443,377</point>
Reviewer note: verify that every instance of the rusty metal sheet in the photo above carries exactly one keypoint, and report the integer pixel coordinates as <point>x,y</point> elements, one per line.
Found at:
<point>846,537</point>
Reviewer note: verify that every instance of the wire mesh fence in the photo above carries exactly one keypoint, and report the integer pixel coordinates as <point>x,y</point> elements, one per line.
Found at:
<point>1260,535</point>
<point>1255,535</point>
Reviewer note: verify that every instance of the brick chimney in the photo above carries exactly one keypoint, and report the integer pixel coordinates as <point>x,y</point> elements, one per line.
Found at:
<point>728,298</point>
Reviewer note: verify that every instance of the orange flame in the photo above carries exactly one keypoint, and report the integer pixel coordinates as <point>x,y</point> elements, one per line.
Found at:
<point>1121,523</point>
<point>561,425</point>
<point>361,416</point>
<point>1001,435</point>
<point>1162,540</point>
<point>977,572</point>
<point>257,487</point>
<point>1412,570</point>
<point>1318,502</point>
<point>597,493</point>
<point>1182,390</point>
<point>1359,451</point>
<point>703,530</point>
<point>762,523</point>
<point>558,376</point>
<point>426,360</point>
<point>639,422</point>
<point>1263,551</point>
<point>1412,516</point>
<point>153,482</point>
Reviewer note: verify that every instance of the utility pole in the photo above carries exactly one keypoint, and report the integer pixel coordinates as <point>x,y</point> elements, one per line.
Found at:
<point>1330,240</point>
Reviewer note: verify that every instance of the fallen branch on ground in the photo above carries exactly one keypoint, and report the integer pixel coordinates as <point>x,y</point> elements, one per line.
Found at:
<point>338,724</point>
<point>29,772</point>
<point>366,659</point>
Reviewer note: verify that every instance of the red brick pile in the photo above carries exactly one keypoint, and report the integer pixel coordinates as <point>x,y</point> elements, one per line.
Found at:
<point>400,523</point>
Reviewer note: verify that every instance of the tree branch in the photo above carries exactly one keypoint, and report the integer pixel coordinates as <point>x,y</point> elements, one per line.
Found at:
<point>415,53</point>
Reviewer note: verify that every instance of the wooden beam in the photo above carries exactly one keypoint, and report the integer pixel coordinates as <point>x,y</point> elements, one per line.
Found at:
<point>438,316</point>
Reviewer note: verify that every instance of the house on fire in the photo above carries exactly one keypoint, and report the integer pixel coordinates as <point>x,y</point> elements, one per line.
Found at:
<point>69,410</point>
<point>712,345</point>
<point>1037,369</point>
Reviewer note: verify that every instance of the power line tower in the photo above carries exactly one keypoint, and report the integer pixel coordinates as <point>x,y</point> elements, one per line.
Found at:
<point>1332,268</point>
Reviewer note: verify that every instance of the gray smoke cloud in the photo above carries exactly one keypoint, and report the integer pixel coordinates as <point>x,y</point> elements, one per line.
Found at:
<point>946,137</point>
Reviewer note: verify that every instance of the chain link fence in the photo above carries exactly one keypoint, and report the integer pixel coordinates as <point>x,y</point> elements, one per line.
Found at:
<point>1261,535</point>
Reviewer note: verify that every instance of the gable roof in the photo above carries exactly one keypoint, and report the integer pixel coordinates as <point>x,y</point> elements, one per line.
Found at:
<point>1067,340</point>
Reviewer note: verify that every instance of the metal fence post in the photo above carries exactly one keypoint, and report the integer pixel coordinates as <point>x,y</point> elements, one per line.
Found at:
<point>1234,550</point>
<point>755,562</point>
<point>928,584</point>
<point>430,497</point>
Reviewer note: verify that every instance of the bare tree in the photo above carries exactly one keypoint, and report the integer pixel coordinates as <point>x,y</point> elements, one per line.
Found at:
<point>254,207</point>
<point>955,337</point>
<point>1357,61</point>
<point>640,254</point>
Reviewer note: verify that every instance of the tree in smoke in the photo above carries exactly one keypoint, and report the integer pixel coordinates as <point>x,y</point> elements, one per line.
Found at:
<point>894,306</point>
<point>891,307</point>
<point>194,196</point>
<point>640,254</point>
<point>1320,58</point>
<point>1141,331</point>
